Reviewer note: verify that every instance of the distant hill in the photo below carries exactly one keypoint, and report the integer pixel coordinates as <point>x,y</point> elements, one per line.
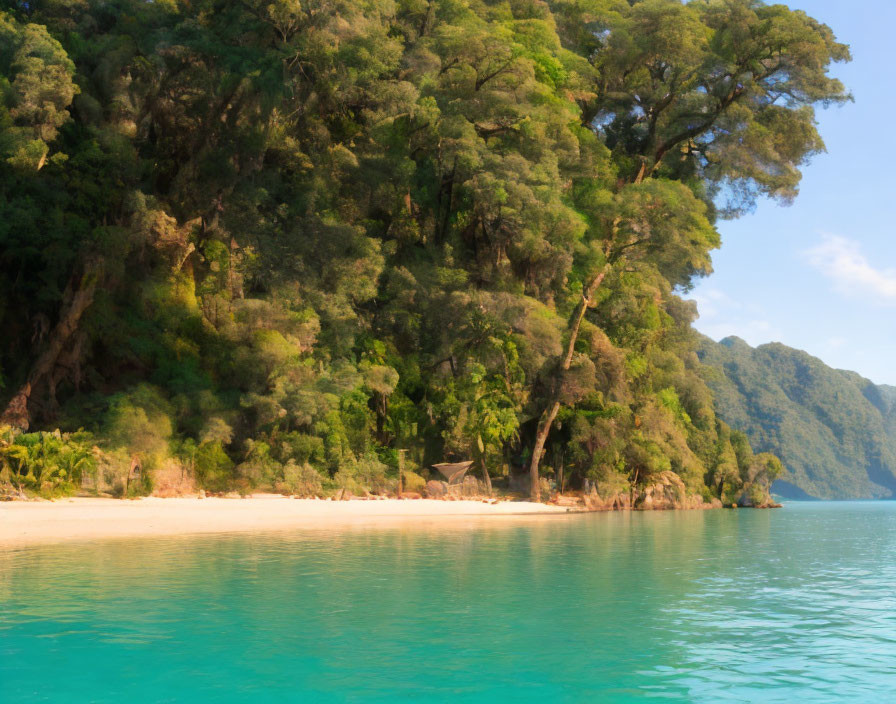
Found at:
<point>834,430</point>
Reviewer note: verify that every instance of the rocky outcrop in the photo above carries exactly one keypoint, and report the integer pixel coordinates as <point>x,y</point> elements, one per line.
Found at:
<point>568,501</point>
<point>754,497</point>
<point>469,488</point>
<point>617,501</point>
<point>436,489</point>
<point>666,491</point>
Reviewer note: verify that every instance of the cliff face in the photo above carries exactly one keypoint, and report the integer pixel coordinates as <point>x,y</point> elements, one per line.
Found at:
<point>833,429</point>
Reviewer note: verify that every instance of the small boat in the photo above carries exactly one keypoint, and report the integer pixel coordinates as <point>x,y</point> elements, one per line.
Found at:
<point>454,471</point>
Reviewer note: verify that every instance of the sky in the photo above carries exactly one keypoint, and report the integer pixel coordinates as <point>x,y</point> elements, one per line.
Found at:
<point>820,275</point>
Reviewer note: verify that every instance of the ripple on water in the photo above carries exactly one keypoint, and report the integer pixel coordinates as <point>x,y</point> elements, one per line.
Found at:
<point>700,606</point>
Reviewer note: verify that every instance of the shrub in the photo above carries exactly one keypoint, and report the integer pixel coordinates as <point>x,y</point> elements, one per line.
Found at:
<point>300,447</point>
<point>301,479</point>
<point>140,422</point>
<point>411,481</point>
<point>259,469</point>
<point>216,429</point>
<point>50,464</point>
<point>214,469</point>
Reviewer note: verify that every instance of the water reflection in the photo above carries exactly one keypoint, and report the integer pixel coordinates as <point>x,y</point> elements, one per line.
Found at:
<point>701,606</point>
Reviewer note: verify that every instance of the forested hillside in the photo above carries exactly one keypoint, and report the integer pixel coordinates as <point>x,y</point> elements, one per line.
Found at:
<point>834,430</point>
<point>270,243</point>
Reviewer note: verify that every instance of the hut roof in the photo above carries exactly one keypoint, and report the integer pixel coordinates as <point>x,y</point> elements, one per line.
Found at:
<point>454,471</point>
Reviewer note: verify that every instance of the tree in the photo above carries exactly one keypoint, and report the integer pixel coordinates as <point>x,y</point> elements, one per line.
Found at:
<point>657,223</point>
<point>723,90</point>
<point>727,85</point>
<point>320,231</point>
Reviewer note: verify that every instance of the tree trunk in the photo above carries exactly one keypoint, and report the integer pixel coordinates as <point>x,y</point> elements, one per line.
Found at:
<point>75,302</point>
<point>642,172</point>
<point>544,428</point>
<point>550,413</point>
<point>485,475</point>
<point>382,410</point>
<point>561,473</point>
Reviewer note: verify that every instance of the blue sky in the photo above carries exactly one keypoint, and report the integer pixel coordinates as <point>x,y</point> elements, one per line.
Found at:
<point>820,275</point>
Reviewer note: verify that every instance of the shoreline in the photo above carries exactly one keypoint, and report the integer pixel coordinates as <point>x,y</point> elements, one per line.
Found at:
<point>75,519</point>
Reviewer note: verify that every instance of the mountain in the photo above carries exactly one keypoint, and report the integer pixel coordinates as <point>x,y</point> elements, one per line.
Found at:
<point>833,429</point>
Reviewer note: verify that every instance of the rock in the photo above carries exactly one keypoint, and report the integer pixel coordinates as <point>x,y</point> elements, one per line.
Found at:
<point>410,495</point>
<point>201,494</point>
<point>435,489</point>
<point>472,487</point>
<point>624,500</point>
<point>755,497</point>
<point>570,501</point>
<point>666,491</point>
<point>469,488</point>
<point>693,501</point>
<point>594,502</point>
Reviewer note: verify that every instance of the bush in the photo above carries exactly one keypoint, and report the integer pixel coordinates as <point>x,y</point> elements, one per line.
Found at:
<point>360,474</point>
<point>411,481</point>
<point>300,479</point>
<point>214,469</point>
<point>49,464</point>
<point>300,447</point>
<point>259,469</point>
<point>140,423</point>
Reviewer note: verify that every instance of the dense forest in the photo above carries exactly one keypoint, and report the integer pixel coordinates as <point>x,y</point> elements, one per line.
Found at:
<point>832,429</point>
<point>288,244</point>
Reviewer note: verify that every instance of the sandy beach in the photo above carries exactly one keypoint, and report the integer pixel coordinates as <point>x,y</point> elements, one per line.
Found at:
<point>25,522</point>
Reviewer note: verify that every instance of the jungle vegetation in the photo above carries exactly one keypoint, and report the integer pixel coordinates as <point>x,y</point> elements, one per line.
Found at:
<point>274,242</point>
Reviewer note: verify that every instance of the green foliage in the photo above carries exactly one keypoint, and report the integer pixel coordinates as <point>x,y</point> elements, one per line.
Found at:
<point>411,481</point>
<point>49,464</point>
<point>280,242</point>
<point>36,90</point>
<point>302,480</point>
<point>140,422</point>
<point>359,474</point>
<point>214,468</point>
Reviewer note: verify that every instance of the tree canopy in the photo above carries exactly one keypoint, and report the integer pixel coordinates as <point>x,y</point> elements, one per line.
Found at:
<point>310,233</point>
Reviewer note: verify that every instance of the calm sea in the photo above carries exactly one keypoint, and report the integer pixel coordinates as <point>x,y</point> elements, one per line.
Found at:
<point>794,605</point>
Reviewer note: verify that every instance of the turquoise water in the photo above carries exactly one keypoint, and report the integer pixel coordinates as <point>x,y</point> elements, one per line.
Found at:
<point>716,606</point>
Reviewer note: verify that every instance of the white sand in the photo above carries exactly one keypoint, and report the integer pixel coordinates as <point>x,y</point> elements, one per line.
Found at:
<point>23,523</point>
